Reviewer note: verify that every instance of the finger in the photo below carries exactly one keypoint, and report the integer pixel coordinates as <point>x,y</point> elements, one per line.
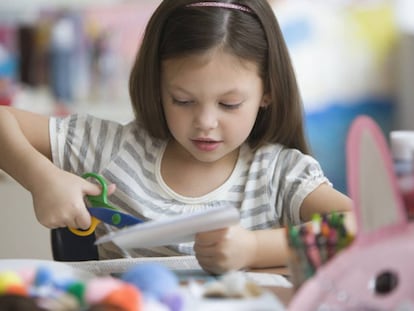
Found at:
<point>211,237</point>
<point>209,269</point>
<point>53,221</point>
<point>203,243</point>
<point>53,225</point>
<point>81,224</point>
<point>92,189</point>
<point>205,250</point>
<point>204,261</point>
<point>209,265</point>
<point>111,189</point>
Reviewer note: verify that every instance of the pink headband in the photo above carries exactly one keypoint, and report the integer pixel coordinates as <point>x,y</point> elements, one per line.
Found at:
<point>217,4</point>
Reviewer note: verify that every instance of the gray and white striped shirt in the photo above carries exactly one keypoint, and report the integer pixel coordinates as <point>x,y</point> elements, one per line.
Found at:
<point>267,185</point>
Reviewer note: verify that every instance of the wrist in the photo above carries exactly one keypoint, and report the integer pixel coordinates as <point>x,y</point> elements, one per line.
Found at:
<point>254,249</point>
<point>38,173</point>
<point>269,248</point>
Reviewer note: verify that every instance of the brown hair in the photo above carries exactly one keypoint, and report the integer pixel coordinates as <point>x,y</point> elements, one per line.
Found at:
<point>176,29</point>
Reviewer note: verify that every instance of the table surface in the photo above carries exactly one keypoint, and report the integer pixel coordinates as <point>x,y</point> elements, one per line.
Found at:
<point>284,294</point>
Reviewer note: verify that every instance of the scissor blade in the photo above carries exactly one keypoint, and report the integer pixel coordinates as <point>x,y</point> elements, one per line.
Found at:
<point>114,217</point>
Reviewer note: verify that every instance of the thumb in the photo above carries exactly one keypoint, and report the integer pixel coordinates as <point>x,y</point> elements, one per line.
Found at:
<point>83,220</point>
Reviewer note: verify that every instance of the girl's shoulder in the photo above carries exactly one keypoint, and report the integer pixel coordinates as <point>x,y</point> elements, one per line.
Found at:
<point>82,121</point>
<point>272,155</point>
<point>272,151</point>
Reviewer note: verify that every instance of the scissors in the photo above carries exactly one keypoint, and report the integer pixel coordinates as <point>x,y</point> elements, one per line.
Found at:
<point>102,211</point>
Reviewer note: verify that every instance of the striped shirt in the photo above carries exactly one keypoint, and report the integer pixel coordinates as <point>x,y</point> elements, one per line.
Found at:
<point>267,185</point>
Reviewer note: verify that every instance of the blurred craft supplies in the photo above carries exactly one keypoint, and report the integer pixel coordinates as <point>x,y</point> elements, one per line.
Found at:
<point>102,211</point>
<point>240,289</point>
<point>402,152</point>
<point>313,244</point>
<point>197,283</point>
<point>174,229</point>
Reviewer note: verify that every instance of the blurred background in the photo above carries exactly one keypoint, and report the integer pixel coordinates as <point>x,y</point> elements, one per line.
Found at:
<point>350,57</point>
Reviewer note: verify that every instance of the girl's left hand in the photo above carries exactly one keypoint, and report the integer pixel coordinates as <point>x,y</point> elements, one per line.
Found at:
<point>220,251</point>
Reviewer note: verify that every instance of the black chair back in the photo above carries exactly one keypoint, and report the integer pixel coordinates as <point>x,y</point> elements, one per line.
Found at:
<point>67,246</point>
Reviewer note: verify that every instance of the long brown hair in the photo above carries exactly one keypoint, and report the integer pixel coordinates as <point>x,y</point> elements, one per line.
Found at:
<point>177,29</point>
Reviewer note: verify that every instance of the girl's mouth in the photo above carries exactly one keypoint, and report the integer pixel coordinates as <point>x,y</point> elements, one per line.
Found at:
<point>206,145</point>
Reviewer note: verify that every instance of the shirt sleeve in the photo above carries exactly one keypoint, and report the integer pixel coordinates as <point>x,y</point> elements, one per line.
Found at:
<point>299,175</point>
<point>82,143</point>
<point>56,138</point>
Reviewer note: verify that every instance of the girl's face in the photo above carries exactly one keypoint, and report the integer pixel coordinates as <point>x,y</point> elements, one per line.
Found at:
<point>210,103</point>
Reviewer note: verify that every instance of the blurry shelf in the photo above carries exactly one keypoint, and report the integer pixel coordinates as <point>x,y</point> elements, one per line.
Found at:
<point>121,113</point>
<point>24,5</point>
<point>27,11</point>
<point>40,101</point>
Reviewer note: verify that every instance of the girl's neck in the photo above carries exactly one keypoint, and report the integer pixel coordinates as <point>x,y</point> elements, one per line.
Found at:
<point>190,177</point>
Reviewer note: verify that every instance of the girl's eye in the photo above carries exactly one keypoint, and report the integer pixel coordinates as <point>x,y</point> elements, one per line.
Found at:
<point>230,106</point>
<point>181,102</point>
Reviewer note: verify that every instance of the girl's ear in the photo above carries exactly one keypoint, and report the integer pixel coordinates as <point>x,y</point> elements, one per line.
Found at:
<point>266,100</point>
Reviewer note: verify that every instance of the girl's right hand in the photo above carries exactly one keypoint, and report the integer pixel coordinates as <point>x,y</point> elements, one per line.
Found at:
<point>58,200</point>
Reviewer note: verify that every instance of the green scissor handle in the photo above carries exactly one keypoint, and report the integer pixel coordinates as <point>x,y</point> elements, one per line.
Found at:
<point>100,200</point>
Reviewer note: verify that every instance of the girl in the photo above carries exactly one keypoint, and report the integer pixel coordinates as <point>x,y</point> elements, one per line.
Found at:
<point>218,120</point>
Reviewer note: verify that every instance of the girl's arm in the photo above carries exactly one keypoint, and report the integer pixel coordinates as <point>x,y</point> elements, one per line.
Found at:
<point>24,138</point>
<point>272,249</point>
<point>26,156</point>
<point>236,248</point>
<point>325,200</point>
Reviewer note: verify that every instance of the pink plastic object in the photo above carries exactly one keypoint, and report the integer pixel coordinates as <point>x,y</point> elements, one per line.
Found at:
<point>98,288</point>
<point>376,272</point>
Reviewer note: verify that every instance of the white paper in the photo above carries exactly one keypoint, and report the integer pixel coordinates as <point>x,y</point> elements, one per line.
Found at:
<point>268,279</point>
<point>120,265</point>
<point>172,230</point>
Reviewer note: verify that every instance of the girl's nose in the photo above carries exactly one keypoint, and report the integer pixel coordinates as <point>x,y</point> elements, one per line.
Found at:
<point>205,119</point>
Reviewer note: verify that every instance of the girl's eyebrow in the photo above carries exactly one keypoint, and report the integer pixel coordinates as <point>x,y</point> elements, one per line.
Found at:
<point>229,92</point>
<point>177,88</point>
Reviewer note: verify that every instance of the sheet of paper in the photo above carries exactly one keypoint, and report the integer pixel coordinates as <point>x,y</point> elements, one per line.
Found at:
<point>118,266</point>
<point>174,229</point>
<point>186,267</point>
<point>268,279</point>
